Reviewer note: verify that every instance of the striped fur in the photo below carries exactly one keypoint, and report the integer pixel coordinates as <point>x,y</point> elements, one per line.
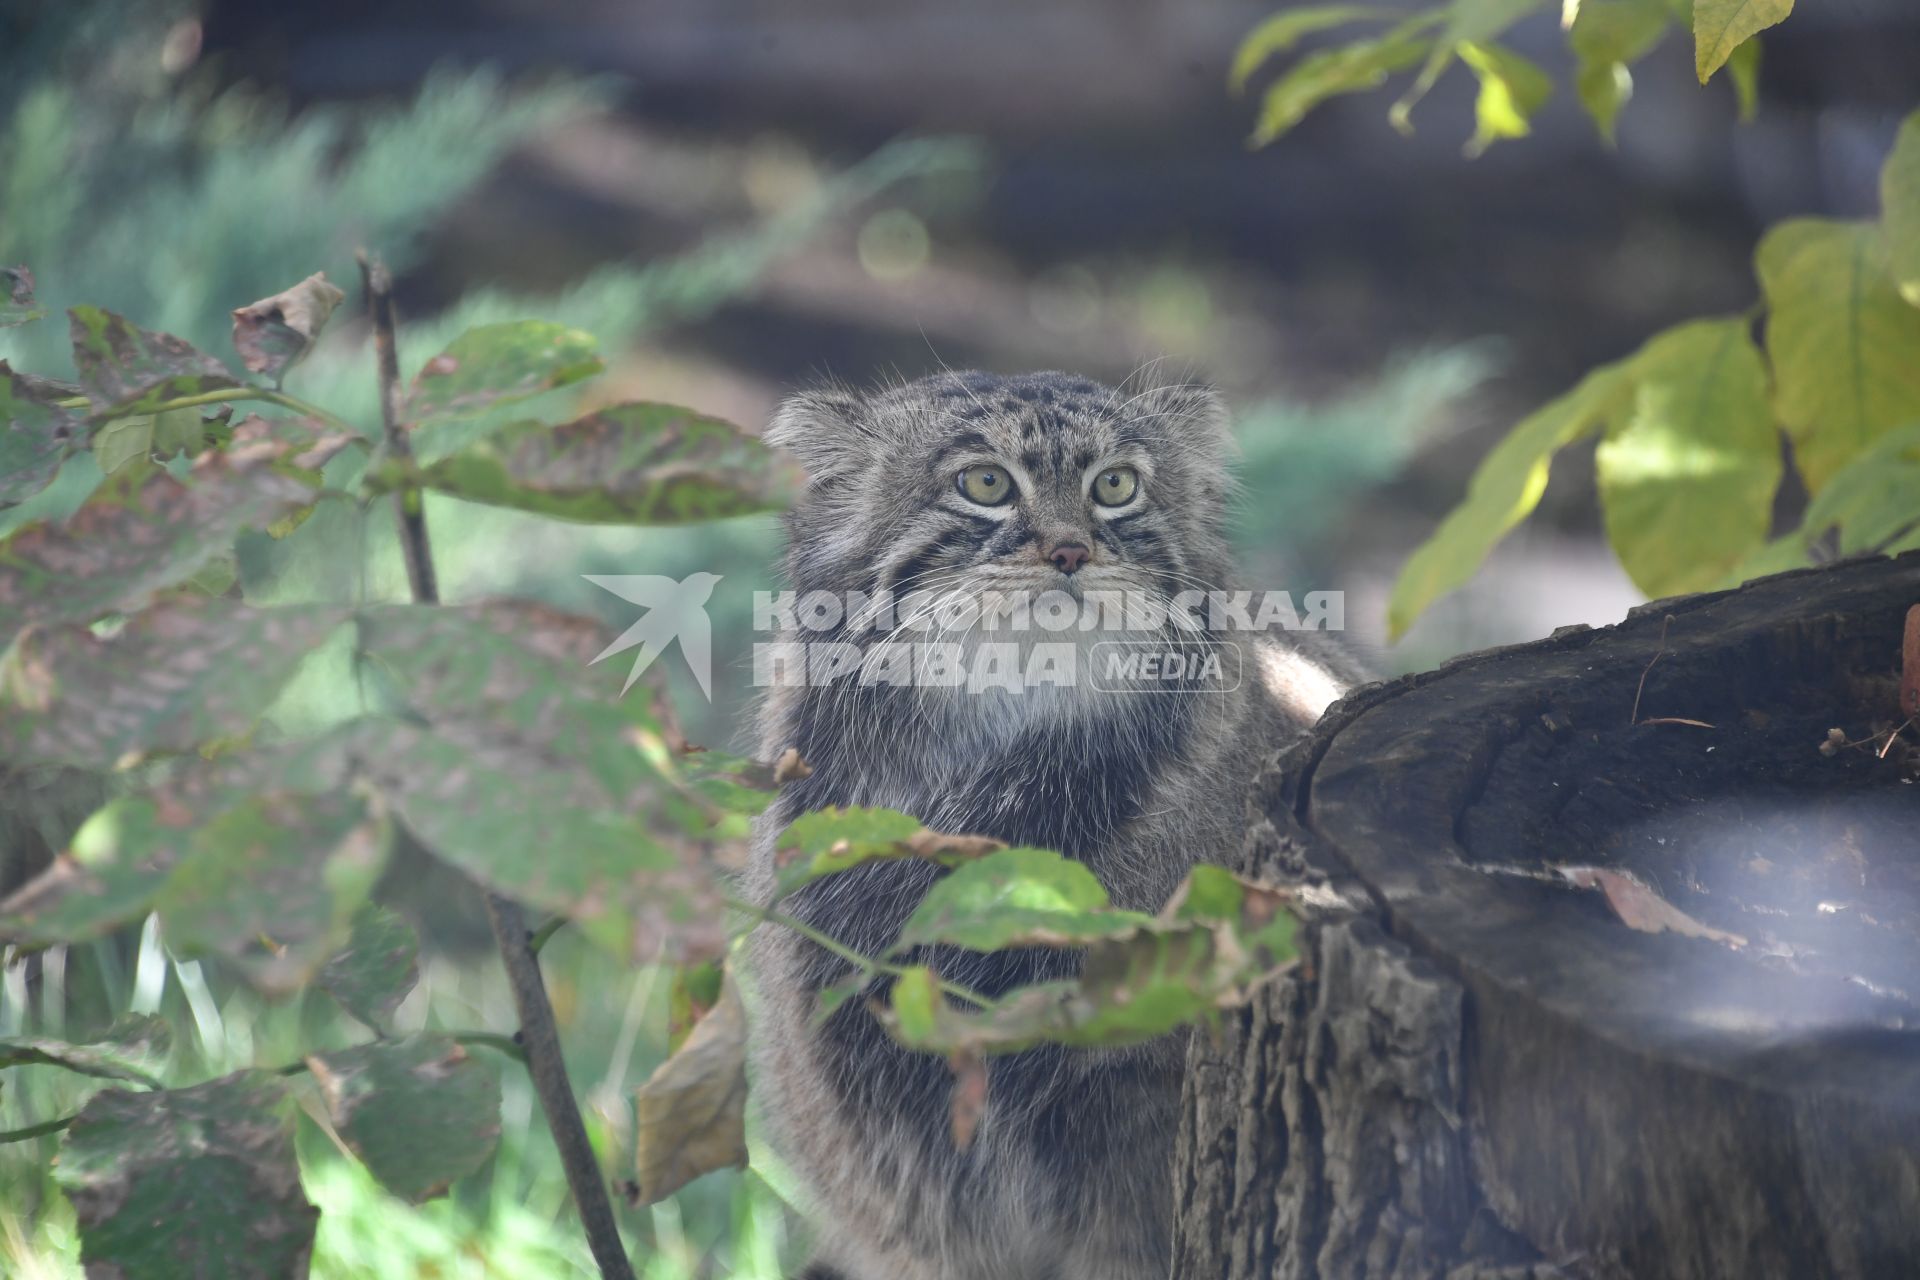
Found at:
<point>1067,1175</point>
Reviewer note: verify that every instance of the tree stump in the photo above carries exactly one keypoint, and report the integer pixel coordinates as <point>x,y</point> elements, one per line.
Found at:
<point>1482,1068</point>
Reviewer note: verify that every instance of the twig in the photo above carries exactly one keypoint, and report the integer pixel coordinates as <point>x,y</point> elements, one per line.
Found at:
<point>539,1035</point>
<point>542,935</point>
<point>40,1130</point>
<point>1633,716</point>
<point>230,395</point>
<point>867,966</point>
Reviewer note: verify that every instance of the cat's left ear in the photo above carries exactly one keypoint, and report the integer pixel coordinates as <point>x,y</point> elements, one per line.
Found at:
<point>1191,414</point>
<point>827,429</point>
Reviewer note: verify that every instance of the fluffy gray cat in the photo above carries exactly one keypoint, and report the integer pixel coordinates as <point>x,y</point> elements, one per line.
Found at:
<point>975,484</point>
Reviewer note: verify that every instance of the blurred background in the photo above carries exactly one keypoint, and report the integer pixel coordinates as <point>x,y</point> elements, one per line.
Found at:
<point>739,196</point>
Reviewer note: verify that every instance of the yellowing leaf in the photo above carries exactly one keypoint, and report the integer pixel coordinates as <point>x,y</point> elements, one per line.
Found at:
<point>1512,89</point>
<point>1504,490</point>
<point>1900,209</point>
<point>1347,69</point>
<point>1468,22</point>
<point>1285,29</point>
<point>1845,346</point>
<point>1687,476</point>
<point>1744,68</point>
<point>690,1115</point>
<point>1721,26</point>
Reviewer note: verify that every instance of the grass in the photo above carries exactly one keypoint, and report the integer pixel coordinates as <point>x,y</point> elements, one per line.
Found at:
<point>511,1219</point>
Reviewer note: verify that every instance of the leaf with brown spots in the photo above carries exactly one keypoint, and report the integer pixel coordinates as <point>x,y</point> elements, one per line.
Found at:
<point>690,1115</point>
<point>648,464</point>
<point>181,674</point>
<point>273,883</point>
<point>182,1184</point>
<point>419,1111</point>
<point>133,1048</point>
<point>126,369</point>
<point>377,969</point>
<point>831,840</point>
<point>16,298</point>
<point>274,333</point>
<point>497,364</point>
<point>117,862</point>
<point>36,436</point>
<point>130,542</point>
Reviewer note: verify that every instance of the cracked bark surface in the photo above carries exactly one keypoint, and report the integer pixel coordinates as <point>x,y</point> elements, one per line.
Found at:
<point>1478,1072</point>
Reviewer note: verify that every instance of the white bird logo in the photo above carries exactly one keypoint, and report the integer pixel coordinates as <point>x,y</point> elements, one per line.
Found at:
<point>675,610</point>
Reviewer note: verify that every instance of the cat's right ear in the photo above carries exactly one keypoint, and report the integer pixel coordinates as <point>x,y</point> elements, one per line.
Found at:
<point>827,429</point>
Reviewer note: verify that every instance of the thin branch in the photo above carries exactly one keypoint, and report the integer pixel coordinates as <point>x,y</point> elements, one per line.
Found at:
<point>539,938</point>
<point>40,1130</point>
<point>867,966</point>
<point>539,1035</point>
<point>230,395</point>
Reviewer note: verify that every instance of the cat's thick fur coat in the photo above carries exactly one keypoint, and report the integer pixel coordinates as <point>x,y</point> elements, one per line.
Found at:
<point>1067,1177</point>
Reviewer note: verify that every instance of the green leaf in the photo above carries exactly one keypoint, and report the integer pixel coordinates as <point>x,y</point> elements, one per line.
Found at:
<point>1209,950</point>
<point>1743,66</point>
<point>16,298</point>
<point>546,834</point>
<point>274,333</point>
<point>115,865</point>
<point>915,1002</point>
<point>1467,22</point>
<point>128,370</point>
<point>1873,500</point>
<point>1721,26</point>
<point>131,541</point>
<point>497,364</point>
<point>418,1111</point>
<point>122,441</point>
<point>178,676</point>
<point>379,966</point>
<point>1607,38</point>
<point>831,840</point>
<point>183,1184</point>
<point>690,1115</point>
<point>1504,490</point>
<point>649,464</point>
<point>1841,339</point>
<point>274,883</point>
<point>133,1048</point>
<point>1285,29</point>
<point>1900,209</point>
<point>1512,89</point>
<point>1349,68</point>
<point>1687,476</point>
<point>1016,897</point>
<point>36,436</point>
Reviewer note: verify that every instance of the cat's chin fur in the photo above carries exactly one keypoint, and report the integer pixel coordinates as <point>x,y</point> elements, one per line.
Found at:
<point>1067,1177</point>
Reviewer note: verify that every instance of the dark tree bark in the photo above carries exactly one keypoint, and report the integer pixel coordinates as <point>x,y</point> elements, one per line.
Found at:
<point>1479,1070</point>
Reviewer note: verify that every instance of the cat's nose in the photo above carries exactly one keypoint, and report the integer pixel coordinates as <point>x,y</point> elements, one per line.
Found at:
<point>1069,556</point>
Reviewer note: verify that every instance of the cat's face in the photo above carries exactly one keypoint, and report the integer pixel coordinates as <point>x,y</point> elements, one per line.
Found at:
<point>1032,483</point>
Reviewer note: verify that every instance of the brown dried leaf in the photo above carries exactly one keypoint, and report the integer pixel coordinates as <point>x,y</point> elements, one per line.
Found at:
<point>274,333</point>
<point>791,767</point>
<point>1639,907</point>
<point>691,1112</point>
<point>1910,665</point>
<point>969,1096</point>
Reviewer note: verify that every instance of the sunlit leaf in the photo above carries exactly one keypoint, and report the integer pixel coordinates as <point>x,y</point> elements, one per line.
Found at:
<point>122,441</point>
<point>630,464</point>
<point>1017,897</point>
<point>1467,22</point>
<point>1505,488</point>
<point>1287,28</point>
<point>831,840</point>
<point>420,1112</point>
<point>16,297</point>
<point>134,1048</point>
<point>1687,475</point>
<point>497,364</point>
<point>273,883</point>
<point>127,369</point>
<point>1607,38</point>
<point>690,1115</point>
<point>181,674</point>
<point>129,542</point>
<point>1348,68</point>
<point>1900,209</point>
<point>274,333</point>
<point>36,436</point>
<point>1721,26</point>
<point>1841,339</point>
<point>1512,89</point>
<point>183,1184</point>
<point>377,968</point>
<point>1193,959</point>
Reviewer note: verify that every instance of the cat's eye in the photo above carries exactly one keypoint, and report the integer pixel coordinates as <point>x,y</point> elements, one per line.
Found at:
<point>987,485</point>
<point>1116,486</point>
